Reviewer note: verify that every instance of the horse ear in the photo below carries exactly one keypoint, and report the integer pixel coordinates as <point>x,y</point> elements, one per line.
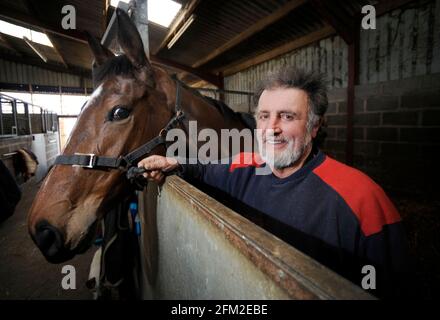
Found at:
<point>131,43</point>
<point>100,53</point>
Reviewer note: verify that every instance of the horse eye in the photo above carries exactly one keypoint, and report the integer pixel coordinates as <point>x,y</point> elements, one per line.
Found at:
<point>120,113</point>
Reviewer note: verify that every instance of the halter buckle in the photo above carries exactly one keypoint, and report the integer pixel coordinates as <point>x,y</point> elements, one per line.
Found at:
<point>91,161</point>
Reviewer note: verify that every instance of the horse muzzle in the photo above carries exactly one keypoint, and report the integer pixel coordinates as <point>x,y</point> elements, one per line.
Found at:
<point>50,241</point>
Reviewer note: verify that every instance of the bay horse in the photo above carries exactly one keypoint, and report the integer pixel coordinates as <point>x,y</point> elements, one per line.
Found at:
<point>132,103</point>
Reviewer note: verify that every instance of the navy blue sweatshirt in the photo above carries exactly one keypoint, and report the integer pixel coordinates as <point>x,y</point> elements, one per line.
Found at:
<point>328,210</point>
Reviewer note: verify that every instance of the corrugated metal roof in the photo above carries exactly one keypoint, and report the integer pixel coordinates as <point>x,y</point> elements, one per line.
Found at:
<point>297,24</point>
<point>216,24</point>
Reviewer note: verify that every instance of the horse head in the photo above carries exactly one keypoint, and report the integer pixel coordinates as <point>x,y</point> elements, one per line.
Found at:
<point>129,106</point>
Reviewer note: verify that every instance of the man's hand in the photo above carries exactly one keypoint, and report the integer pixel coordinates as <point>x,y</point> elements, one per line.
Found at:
<point>156,166</point>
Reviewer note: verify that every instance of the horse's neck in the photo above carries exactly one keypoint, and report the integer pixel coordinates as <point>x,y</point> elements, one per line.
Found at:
<point>198,109</point>
<point>195,107</point>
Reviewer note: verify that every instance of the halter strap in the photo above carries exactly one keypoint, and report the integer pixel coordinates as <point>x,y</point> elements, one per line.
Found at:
<point>89,160</point>
<point>93,161</point>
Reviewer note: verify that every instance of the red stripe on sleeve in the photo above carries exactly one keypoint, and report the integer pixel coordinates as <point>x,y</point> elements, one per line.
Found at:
<point>366,199</point>
<point>245,159</point>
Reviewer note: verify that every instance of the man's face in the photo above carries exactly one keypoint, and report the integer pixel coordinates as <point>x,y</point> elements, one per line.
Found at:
<point>282,117</point>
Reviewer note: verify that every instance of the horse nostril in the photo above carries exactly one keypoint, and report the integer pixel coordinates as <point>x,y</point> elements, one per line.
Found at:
<point>48,238</point>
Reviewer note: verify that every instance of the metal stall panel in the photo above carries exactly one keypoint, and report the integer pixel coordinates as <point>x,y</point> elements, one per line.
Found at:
<point>207,251</point>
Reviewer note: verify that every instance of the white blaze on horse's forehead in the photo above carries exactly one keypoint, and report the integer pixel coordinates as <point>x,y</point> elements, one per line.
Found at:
<point>81,219</point>
<point>95,95</point>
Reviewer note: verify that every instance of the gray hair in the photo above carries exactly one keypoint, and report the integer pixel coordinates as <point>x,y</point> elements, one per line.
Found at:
<point>312,83</point>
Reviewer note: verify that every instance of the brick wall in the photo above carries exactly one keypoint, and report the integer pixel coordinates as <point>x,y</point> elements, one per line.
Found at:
<point>396,132</point>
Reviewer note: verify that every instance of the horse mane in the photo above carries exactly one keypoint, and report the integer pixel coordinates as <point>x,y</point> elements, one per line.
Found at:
<point>227,112</point>
<point>119,65</point>
<point>222,107</point>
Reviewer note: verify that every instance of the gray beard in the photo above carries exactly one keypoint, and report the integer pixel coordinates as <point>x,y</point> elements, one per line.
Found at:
<point>287,157</point>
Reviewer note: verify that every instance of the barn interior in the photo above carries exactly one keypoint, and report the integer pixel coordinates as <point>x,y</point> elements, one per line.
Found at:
<point>384,88</point>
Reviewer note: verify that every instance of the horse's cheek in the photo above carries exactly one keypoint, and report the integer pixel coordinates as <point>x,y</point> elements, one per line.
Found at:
<point>110,139</point>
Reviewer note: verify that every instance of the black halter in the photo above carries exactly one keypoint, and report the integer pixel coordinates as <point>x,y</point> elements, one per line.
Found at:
<point>123,162</point>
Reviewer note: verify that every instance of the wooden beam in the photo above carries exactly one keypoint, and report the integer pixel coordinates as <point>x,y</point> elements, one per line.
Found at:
<point>57,51</point>
<point>9,45</point>
<point>35,49</point>
<point>105,15</point>
<point>295,44</point>
<point>257,27</point>
<point>17,17</point>
<point>139,16</point>
<point>185,13</point>
<point>32,9</point>
<point>111,30</point>
<point>353,80</point>
<point>343,24</point>
<point>197,72</point>
<point>198,84</point>
<point>221,87</point>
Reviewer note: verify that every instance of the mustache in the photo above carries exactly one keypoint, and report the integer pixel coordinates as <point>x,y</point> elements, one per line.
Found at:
<point>274,138</point>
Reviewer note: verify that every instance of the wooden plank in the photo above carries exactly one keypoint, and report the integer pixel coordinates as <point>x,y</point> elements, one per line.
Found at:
<point>345,66</point>
<point>35,49</point>
<point>371,60</point>
<point>395,47</point>
<point>328,50</point>
<point>363,57</point>
<point>336,61</point>
<point>321,57</point>
<point>331,64</point>
<point>295,44</point>
<point>430,37</point>
<point>422,40</point>
<point>178,22</point>
<point>310,57</point>
<point>302,60</point>
<point>352,61</point>
<point>435,66</point>
<point>255,28</point>
<point>409,42</point>
<point>383,47</point>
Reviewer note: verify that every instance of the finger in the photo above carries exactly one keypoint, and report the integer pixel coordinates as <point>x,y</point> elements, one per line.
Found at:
<point>156,175</point>
<point>160,177</point>
<point>148,174</point>
<point>153,162</point>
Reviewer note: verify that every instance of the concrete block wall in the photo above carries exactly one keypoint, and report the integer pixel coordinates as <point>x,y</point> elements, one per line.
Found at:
<point>396,132</point>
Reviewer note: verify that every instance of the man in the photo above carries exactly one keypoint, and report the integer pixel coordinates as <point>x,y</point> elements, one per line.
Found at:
<point>330,211</point>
